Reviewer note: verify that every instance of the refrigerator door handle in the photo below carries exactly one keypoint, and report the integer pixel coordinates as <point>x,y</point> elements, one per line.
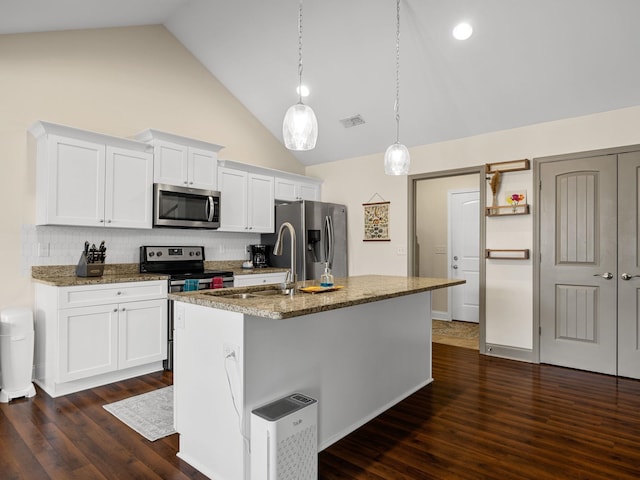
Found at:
<point>329,244</point>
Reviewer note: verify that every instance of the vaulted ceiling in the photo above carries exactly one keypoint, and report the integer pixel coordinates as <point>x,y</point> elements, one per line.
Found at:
<point>527,61</point>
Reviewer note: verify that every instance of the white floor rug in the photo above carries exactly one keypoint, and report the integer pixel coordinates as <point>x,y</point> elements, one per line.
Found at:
<point>149,414</point>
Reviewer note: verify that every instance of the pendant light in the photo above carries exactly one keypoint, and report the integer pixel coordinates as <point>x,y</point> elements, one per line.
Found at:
<point>300,127</point>
<point>396,158</point>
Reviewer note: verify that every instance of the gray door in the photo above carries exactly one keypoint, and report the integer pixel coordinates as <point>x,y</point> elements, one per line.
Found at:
<point>628,265</point>
<point>578,264</point>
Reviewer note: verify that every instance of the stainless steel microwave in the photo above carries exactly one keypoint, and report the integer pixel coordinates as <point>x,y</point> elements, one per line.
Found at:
<point>184,207</point>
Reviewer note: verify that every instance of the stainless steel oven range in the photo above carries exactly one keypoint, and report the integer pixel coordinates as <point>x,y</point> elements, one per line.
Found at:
<point>185,267</point>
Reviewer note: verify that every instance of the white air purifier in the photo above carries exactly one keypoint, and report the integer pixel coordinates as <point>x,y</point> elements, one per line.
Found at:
<point>284,439</point>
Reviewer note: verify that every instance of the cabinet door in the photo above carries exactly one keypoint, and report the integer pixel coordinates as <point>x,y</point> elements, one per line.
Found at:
<point>285,189</point>
<point>142,333</point>
<point>260,215</point>
<point>171,163</point>
<point>75,182</point>
<point>88,342</point>
<point>128,188</point>
<point>233,199</point>
<point>308,191</point>
<point>203,169</point>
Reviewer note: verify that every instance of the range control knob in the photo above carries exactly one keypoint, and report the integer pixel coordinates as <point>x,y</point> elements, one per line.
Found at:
<point>159,254</point>
<point>197,254</point>
<point>191,254</point>
<point>151,254</point>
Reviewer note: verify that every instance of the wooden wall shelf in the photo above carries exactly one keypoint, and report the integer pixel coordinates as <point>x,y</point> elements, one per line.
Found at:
<point>511,166</point>
<point>503,210</point>
<point>522,254</point>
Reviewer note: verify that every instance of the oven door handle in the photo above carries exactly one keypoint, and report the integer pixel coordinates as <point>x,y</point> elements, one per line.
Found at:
<point>209,209</point>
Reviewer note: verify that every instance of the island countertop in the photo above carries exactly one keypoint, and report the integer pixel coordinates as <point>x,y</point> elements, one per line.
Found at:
<point>356,290</point>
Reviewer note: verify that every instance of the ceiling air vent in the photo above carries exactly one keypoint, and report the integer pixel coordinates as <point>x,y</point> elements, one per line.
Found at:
<point>352,121</point>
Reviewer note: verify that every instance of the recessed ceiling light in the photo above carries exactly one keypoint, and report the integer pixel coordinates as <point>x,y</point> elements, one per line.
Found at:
<point>304,92</point>
<point>462,31</point>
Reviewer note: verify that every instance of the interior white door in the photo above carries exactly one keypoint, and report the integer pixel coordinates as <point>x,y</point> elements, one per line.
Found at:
<point>464,254</point>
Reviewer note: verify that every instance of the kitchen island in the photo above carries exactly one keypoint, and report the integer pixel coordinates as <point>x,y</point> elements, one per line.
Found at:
<point>358,350</point>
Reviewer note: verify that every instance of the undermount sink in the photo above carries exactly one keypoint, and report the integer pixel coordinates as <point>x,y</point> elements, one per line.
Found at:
<point>272,291</point>
<point>254,294</point>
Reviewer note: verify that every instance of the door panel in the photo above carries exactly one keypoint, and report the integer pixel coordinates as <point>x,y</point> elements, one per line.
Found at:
<point>578,222</point>
<point>465,260</point>
<point>629,263</point>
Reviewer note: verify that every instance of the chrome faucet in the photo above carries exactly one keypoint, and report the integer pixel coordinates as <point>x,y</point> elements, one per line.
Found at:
<point>277,250</point>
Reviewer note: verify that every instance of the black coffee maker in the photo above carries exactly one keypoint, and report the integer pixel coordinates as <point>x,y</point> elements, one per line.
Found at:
<point>259,256</point>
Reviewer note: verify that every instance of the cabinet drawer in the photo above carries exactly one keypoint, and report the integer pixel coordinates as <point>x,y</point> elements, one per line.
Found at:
<point>69,297</point>
<point>259,279</point>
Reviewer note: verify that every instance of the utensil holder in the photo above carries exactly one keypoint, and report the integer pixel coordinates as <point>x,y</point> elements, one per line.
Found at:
<point>86,269</point>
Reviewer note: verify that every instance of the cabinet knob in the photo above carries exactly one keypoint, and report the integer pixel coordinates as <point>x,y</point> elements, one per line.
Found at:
<point>123,309</point>
<point>115,309</point>
<point>108,221</point>
<point>186,183</point>
<point>190,183</point>
<point>102,220</point>
<point>119,293</point>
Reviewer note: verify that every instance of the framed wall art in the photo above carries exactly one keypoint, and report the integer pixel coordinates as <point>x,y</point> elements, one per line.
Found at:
<point>376,222</point>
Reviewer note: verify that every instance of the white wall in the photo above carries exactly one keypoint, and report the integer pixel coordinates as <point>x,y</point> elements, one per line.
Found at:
<point>119,82</point>
<point>509,284</point>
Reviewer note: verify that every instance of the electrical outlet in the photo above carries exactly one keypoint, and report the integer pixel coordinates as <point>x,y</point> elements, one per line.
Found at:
<point>248,249</point>
<point>230,351</point>
<point>401,251</point>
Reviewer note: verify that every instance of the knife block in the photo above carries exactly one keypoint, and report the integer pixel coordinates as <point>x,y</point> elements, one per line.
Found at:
<point>86,269</point>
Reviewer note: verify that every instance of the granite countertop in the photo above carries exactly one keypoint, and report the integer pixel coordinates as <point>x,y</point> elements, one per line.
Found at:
<point>65,275</point>
<point>357,290</point>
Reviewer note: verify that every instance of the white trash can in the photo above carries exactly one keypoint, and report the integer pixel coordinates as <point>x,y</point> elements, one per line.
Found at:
<point>16,353</point>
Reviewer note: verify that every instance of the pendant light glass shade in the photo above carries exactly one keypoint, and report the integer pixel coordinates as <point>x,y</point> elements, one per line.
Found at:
<point>300,128</point>
<point>396,160</point>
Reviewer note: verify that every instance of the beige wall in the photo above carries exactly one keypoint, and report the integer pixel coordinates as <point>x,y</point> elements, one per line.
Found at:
<point>114,81</point>
<point>509,287</point>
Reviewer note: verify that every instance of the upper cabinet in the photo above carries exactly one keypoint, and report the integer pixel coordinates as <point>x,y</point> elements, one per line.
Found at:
<point>246,201</point>
<point>290,188</point>
<point>90,179</point>
<point>182,161</point>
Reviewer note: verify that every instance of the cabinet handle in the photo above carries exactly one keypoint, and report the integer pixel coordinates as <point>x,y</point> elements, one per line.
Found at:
<point>119,293</point>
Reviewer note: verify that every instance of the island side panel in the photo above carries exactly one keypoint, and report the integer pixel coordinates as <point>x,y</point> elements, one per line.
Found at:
<point>356,361</point>
<point>205,417</point>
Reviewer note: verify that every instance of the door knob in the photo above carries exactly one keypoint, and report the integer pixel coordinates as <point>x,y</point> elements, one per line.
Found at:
<point>455,267</point>
<point>455,257</point>
<point>627,276</point>
<point>605,275</point>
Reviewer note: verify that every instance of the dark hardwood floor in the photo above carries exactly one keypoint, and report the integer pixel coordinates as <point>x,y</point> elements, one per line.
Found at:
<point>482,418</point>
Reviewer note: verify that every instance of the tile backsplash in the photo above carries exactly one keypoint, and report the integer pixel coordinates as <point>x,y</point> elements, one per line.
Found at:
<point>57,245</point>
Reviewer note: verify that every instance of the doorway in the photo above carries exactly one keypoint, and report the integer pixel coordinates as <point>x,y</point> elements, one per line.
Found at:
<point>589,271</point>
<point>434,199</point>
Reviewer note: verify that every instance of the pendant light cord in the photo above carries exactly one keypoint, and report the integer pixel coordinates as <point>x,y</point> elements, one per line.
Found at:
<point>300,53</point>
<point>397,104</point>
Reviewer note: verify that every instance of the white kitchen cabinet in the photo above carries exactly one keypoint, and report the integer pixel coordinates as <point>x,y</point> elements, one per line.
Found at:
<point>97,334</point>
<point>254,279</point>
<point>247,201</point>
<point>182,161</point>
<point>291,189</point>
<point>89,179</point>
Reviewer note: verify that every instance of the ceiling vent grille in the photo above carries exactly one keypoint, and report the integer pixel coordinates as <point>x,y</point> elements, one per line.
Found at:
<point>352,121</point>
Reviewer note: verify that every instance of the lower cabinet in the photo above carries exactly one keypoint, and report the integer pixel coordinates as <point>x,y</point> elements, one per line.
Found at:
<point>118,331</point>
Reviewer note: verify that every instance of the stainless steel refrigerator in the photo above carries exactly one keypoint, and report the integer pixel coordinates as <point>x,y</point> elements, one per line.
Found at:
<point>321,236</point>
